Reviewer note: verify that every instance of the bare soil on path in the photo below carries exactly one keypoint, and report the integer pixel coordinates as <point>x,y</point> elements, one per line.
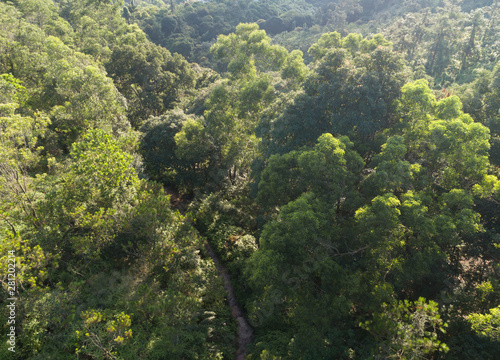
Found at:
<point>245,331</point>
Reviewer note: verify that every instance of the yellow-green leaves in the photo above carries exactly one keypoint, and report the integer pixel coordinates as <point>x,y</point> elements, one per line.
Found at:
<point>294,67</point>
<point>448,108</point>
<point>31,263</point>
<point>352,42</point>
<point>85,96</point>
<point>326,42</point>
<point>100,335</point>
<point>381,217</point>
<point>455,148</point>
<point>69,86</point>
<point>375,42</point>
<point>324,170</point>
<point>392,171</point>
<point>18,134</point>
<point>247,51</point>
<point>416,101</point>
<point>407,330</point>
<point>19,153</point>
<point>192,142</point>
<point>101,169</point>
<point>11,92</point>
<point>94,196</point>
<point>487,325</point>
<point>489,185</point>
<point>19,137</point>
<point>462,146</point>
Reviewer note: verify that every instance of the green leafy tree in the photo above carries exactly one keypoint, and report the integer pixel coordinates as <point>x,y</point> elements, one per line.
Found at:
<point>19,153</point>
<point>450,43</point>
<point>158,147</point>
<point>349,93</point>
<point>407,330</point>
<point>64,83</point>
<point>150,77</point>
<point>87,206</point>
<point>74,113</point>
<point>222,144</point>
<point>100,336</point>
<point>487,325</point>
<point>482,100</point>
<point>390,229</point>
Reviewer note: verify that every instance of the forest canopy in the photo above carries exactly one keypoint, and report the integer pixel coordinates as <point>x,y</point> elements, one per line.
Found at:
<point>250,179</point>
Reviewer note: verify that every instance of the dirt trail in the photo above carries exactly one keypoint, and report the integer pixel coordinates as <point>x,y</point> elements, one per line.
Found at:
<point>245,331</point>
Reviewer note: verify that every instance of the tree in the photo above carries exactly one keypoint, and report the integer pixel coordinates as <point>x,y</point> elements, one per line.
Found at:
<point>150,78</point>
<point>75,113</point>
<point>66,84</point>
<point>392,229</point>
<point>482,100</point>
<point>330,169</point>
<point>247,51</point>
<point>487,325</point>
<point>222,144</point>
<point>86,208</point>
<point>99,339</point>
<point>158,147</point>
<point>19,155</point>
<point>168,25</point>
<point>350,93</point>
<point>408,330</point>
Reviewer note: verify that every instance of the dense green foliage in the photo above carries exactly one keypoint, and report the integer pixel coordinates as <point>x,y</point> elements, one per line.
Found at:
<point>341,158</point>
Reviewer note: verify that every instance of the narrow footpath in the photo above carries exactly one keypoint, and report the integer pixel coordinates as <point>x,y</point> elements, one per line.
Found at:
<point>245,331</point>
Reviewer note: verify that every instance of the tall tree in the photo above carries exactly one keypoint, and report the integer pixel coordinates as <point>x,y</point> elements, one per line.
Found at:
<point>359,235</point>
